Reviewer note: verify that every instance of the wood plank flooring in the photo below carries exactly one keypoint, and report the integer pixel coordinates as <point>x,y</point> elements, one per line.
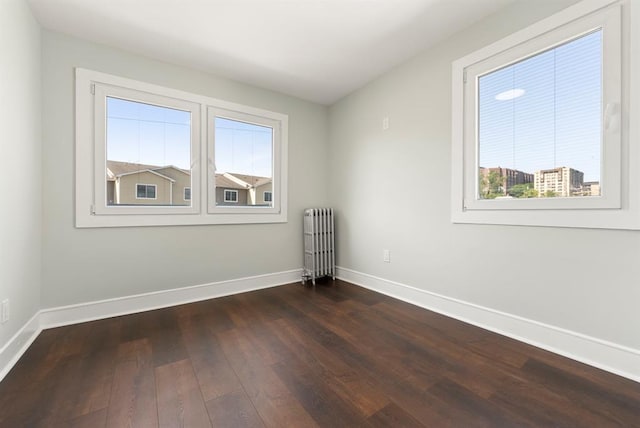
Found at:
<point>293,356</point>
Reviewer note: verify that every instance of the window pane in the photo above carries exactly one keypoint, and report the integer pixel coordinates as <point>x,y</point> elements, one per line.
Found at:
<point>539,124</point>
<point>142,191</point>
<point>243,162</point>
<point>147,144</point>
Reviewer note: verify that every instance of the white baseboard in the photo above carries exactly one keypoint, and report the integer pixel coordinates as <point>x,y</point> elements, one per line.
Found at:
<point>614,358</point>
<point>90,311</point>
<point>73,314</point>
<point>11,352</point>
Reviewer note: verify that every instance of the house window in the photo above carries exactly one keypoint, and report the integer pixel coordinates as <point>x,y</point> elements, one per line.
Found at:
<point>230,195</point>
<point>537,122</point>
<point>267,196</point>
<point>142,156</point>
<point>145,191</point>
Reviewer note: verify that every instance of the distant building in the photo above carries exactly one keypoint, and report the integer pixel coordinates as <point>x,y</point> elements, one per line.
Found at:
<point>509,177</point>
<point>591,188</point>
<point>562,181</point>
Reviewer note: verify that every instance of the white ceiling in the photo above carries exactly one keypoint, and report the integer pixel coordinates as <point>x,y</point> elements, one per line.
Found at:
<point>319,50</point>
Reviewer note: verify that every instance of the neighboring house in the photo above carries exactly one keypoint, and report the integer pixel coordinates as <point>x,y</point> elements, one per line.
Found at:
<point>138,184</point>
<point>231,191</point>
<point>240,189</point>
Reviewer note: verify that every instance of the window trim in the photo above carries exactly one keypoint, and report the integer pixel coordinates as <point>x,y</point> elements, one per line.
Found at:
<point>155,190</point>
<point>231,191</point>
<point>88,213</point>
<point>576,212</point>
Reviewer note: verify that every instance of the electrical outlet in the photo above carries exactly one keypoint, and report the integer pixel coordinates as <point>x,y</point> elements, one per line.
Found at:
<point>5,310</point>
<point>386,256</point>
<point>385,123</point>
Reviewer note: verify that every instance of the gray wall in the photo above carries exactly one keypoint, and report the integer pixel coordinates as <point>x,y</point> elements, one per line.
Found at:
<point>589,284</point>
<point>20,126</point>
<point>78,263</point>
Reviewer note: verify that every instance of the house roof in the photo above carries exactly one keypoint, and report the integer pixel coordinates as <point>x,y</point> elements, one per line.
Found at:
<point>228,183</point>
<point>118,169</point>
<point>227,180</point>
<point>252,180</point>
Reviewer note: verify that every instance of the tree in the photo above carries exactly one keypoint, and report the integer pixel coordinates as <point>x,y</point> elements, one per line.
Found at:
<point>549,194</point>
<point>491,185</point>
<point>525,190</point>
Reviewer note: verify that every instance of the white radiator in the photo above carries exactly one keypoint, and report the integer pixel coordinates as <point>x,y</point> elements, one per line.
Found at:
<point>319,244</point>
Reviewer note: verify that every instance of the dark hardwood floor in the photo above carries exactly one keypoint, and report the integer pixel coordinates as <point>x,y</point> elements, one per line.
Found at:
<point>334,356</point>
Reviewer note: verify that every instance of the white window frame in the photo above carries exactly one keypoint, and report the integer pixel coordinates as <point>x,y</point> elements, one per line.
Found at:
<point>231,191</point>
<point>273,121</point>
<point>607,211</point>
<point>91,207</point>
<point>184,194</point>
<point>155,190</point>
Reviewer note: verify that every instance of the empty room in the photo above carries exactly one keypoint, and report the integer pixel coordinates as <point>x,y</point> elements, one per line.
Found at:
<point>320,213</point>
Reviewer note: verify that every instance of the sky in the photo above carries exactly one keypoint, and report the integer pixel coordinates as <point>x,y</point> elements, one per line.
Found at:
<point>556,119</point>
<point>243,148</point>
<point>154,135</point>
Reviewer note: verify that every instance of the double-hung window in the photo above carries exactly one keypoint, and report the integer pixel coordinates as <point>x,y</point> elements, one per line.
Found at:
<point>229,196</point>
<point>146,191</point>
<point>150,155</point>
<point>537,130</point>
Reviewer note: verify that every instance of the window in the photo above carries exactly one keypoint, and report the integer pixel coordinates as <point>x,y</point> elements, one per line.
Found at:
<point>145,145</point>
<point>537,129</point>
<point>538,120</point>
<point>267,196</point>
<point>145,191</point>
<point>247,156</point>
<point>230,195</point>
<point>144,156</point>
<point>145,141</point>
